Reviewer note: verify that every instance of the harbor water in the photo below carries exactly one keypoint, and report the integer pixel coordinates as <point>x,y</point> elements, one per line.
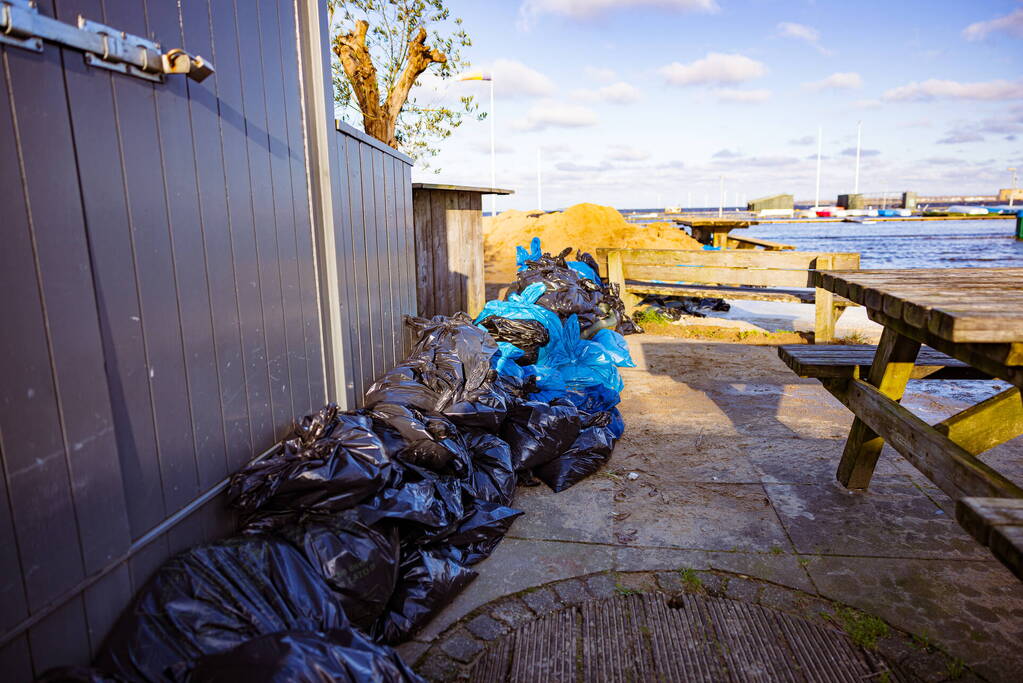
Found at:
<point>905,244</point>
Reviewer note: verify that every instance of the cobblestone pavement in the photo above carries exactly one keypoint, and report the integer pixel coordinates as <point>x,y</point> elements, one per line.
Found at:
<point>735,461</point>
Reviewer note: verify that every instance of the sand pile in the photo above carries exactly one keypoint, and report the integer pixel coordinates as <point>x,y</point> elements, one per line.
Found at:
<point>583,226</point>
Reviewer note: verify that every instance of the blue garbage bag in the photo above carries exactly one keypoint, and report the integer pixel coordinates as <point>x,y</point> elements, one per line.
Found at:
<point>535,252</point>
<point>586,362</point>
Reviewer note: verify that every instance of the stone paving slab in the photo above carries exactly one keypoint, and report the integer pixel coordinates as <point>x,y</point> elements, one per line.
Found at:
<point>736,460</point>
<point>891,518</point>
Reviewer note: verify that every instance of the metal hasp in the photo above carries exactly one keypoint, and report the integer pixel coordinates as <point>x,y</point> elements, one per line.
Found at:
<point>21,25</point>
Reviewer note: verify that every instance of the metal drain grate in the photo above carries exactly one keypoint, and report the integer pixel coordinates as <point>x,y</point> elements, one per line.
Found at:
<point>640,638</point>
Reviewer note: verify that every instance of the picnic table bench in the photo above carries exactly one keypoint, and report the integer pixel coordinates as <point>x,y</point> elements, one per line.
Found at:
<point>748,274</point>
<point>964,323</point>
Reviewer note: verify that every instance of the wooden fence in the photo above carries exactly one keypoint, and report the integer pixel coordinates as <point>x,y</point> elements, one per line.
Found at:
<point>169,304</point>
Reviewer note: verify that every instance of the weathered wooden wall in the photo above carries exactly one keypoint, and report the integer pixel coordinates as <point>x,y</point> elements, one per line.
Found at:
<point>375,255</point>
<point>449,249</point>
<point>160,308</point>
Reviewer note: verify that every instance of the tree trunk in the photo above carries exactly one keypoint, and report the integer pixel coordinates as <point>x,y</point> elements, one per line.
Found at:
<point>380,118</point>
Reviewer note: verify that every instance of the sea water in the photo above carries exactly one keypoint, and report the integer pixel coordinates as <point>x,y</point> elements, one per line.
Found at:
<point>905,244</point>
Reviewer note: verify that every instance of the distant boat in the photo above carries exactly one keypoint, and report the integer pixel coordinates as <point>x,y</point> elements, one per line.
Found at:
<point>862,220</point>
<point>968,210</point>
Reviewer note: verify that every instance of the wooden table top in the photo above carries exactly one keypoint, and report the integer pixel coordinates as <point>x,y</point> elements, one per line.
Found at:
<point>983,305</point>
<point>974,314</point>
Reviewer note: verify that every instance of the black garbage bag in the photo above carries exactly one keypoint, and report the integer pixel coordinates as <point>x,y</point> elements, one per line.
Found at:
<point>426,506</point>
<point>478,535</point>
<point>212,598</point>
<point>76,674</point>
<point>305,657</point>
<point>431,440</point>
<point>357,560</point>
<point>342,465</point>
<point>568,293</point>
<point>591,449</point>
<point>527,335</point>
<point>612,301</point>
<point>448,372</point>
<point>493,477</point>
<point>538,432</point>
<point>429,581</point>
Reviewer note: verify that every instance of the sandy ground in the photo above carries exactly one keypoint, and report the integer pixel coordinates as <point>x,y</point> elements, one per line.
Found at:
<point>735,463</point>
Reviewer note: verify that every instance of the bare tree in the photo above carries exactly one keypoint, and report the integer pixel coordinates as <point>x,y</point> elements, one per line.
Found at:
<point>381,54</point>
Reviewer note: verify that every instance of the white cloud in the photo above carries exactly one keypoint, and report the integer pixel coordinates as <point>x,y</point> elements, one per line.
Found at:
<point>959,137</point>
<point>805,140</point>
<point>851,152</point>
<point>514,80</point>
<point>934,89</point>
<point>529,10</point>
<point>744,96</point>
<point>808,34</point>
<point>848,80</point>
<point>626,153</point>
<point>616,93</point>
<point>867,104</point>
<point>726,154</point>
<point>550,114</point>
<point>600,74</point>
<point>1011,23</point>
<point>714,68</point>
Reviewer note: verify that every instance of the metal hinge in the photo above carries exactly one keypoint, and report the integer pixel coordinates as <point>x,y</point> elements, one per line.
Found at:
<point>21,25</point>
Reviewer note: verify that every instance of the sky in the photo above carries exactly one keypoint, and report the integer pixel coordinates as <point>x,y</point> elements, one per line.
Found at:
<point>649,103</point>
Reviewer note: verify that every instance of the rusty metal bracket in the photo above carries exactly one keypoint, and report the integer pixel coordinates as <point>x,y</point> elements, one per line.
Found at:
<point>21,25</point>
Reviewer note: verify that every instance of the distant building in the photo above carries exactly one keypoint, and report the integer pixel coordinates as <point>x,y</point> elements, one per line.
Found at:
<point>1015,194</point>
<point>909,200</point>
<point>850,201</point>
<point>775,201</point>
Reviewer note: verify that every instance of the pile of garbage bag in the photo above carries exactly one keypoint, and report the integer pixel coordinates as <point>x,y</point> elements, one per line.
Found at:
<point>363,524</point>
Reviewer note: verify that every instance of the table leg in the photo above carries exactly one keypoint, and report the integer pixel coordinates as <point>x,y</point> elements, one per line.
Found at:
<point>890,371</point>
<point>825,318</point>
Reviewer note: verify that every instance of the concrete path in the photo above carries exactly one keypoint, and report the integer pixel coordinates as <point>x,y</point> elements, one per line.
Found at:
<point>735,460</point>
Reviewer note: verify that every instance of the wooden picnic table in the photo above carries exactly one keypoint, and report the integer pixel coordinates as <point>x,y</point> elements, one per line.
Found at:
<point>713,231</point>
<point>974,315</point>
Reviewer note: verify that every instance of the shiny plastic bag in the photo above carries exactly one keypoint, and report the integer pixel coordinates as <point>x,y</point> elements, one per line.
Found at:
<point>214,597</point>
<point>591,449</point>
<point>357,560</point>
<point>538,432</point>
<point>526,335</point>
<point>305,657</point>
<point>429,581</point>
<point>344,463</point>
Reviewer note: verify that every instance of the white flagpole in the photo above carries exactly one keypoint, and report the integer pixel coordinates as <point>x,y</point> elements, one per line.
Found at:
<point>493,159</point>
<point>856,183</point>
<point>817,197</point>
<point>539,186</point>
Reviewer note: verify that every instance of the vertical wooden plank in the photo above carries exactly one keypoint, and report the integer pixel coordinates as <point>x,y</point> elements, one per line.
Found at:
<point>422,221</point>
<point>12,584</point>
<point>38,484</point>
<point>402,252</point>
<point>239,204</point>
<point>348,296</point>
<point>16,660</point>
<point>383,265</point>
<point>208,151</point>
<point>437,295</point>
<point>104,601</point>
<point>152,249</point>
<point>372,258</point>
<point>188,255</point>
<point>62,251</point>
<point>476,292</point>
<point>294,365</point>
<point>60,637</point>
<point>305,265</point>
<point>411,254</point>
<point>264,218</point>
<point>393,260</point>
<point>362,326</point>
<point>824,316</point>
<point>99,158</point>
